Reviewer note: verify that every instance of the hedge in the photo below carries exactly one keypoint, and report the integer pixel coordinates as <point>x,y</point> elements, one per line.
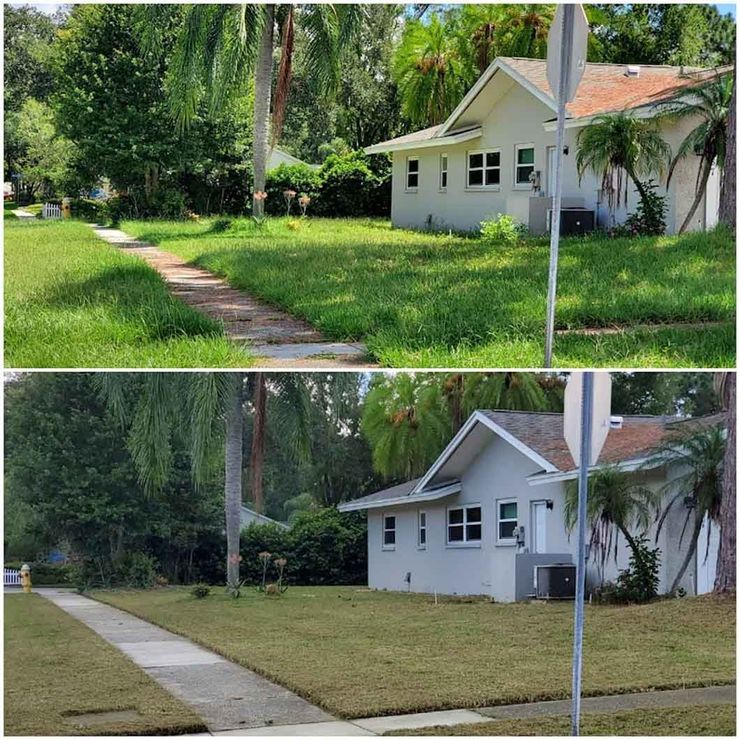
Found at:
<point>322,548</point>
<point>46,574</point>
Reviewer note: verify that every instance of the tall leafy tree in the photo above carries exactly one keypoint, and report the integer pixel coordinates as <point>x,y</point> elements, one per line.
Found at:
<point>684,393</point>
<point>619,147</point>
<point>220,47</point>
<point>710,104</point>
<point>728,190</point>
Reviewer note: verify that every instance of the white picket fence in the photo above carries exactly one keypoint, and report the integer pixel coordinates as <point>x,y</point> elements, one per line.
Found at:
<point>11,577</point>
<point>51,210</point>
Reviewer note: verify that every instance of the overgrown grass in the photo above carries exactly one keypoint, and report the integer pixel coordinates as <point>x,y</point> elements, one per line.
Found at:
<point>425,300</point>
<point>716,720</point>
<point>359,653</point>
<point>71,300</point>
<point>57,668</point>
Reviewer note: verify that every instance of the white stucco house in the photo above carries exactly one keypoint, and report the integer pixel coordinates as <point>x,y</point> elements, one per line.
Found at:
<point>248,516</point>
<point>490,510</point>
<point>277,157</point>
<point>495,153</point>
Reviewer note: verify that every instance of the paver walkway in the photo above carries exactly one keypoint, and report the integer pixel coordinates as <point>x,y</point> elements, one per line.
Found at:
<point>227,696</point>
<point>22,214</point>
<point>278,337</point>
<point>235,701</point>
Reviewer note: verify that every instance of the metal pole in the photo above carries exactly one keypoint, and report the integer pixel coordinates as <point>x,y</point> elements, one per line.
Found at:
<point>586,406</point>
<point>565,71</point>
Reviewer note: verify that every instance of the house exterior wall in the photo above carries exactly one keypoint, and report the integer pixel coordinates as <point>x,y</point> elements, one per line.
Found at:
<point>500,472</point>
<point>518,118</point>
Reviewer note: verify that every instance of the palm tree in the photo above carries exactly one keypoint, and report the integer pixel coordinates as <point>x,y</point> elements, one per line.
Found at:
<point>708,139</point>
<point>726,579</point>
<point>210,407</point>
<point>219,48</point>
<point>406,423</point>
<point>615,505</point>
<point>525,30</point>
<point>700,453</point>
<point>618,144</point>
<point>429,72</point>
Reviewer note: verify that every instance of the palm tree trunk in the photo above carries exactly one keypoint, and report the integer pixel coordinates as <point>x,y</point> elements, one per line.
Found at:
<point>233,478</point>
<point>691,551</point>
<point>699,194</point>
<point>262,97</point>
<point>257,456</point>
<point>728,191</point>
<point>725,580</point>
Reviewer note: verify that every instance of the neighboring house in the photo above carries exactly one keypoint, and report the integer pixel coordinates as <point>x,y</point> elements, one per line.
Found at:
<point>495,153</point>
<point>491,508</point>
<point>248,516</point>
<point>278,157</point>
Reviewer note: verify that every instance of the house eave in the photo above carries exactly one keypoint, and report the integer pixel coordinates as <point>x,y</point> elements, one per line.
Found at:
<point>409,498</point>
<point>628,466</point>
<point>434,142</point>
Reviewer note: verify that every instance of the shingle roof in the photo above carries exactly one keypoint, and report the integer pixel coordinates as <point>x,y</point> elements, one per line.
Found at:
<point>402,489</point>
<point>639,435</point>
<point>606,87</point>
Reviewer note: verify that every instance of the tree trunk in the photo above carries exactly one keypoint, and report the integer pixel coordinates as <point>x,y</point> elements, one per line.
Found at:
<point>691,551</point>
<point>700,191</point>
<point>728,193</point>
<point>262,97</point>
<point>233,477</point>
<point>724,581</point>
<point>257,456</point>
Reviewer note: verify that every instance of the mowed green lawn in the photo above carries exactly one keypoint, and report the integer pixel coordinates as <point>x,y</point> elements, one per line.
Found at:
<point>694,720</point>
<point>426,300</point>
<point>57,669</point>
<point>360,653</point>
<point>72,300</point>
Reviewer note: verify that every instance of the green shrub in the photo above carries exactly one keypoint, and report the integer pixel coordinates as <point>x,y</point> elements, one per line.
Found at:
<point>649,218</point>
<point>639,582</point>
<point>200,590</point>
<point>301,178</point>
<point>87,209</point>
<point>503,229</point>
<point>46,574</point>
<point>349,187</point>
<point>137,570</point>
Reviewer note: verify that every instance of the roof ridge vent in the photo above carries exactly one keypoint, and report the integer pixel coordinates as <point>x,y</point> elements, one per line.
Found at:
<point>616,422</point>
<point>633,70</point>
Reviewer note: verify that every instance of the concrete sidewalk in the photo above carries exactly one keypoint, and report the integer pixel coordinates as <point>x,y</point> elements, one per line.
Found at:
<point>227,696</point>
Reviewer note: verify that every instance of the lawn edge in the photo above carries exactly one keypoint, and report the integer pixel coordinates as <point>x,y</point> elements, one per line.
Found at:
<point>504,701</point>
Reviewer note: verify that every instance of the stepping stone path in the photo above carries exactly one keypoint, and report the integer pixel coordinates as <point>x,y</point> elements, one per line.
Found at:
<point>281,339</point>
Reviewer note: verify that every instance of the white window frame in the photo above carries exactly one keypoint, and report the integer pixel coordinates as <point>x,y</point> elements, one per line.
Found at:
<point>505,540</point>
<point>421,528</point>
<point>444,177</point>
<point>412,188</point>
<point>484,152</point>
<point>464,542</point>
<point>517,148</point>
<point>387,529</point>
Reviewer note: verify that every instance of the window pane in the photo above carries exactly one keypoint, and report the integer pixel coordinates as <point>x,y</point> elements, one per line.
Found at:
<point>389,537</point>
<point>413,180</point>
<point>506,530</point>
<point>444,179</point>
<point>444,161</point>
<point>507,511</point>
<point>525,156</point>
<point>474,514</point>
<point>473,532</point>
<point>475,160</point>
<point>493,177</point>
<point>493,159</point>
<point>455,533</point>
<point>390,522</point>
<point>455,516</point>
<point>413,165</point>
<point>475,177</point>
<point>523,173</point>
<point>423,537</point>
<point>423,519</point>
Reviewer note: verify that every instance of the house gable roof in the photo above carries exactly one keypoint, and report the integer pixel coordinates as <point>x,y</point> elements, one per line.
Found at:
<point>539,436</point>
<point>604,88</point>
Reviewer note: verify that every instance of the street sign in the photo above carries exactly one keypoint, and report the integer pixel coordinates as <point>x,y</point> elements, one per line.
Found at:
<point>600,414</point>
<point>576,59</point>
<point>566,62</point>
